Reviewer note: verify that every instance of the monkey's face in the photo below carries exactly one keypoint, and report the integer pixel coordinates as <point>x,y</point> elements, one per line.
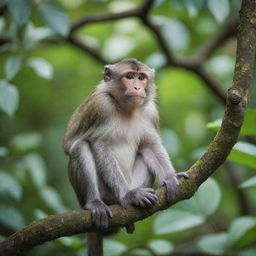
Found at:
<point>134,85</point>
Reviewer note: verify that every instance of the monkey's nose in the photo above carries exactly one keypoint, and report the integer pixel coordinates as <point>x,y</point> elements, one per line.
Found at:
<point>136,88</point>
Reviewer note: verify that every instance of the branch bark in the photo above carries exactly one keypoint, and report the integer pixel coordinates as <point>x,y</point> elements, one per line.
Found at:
<point>76,222</point>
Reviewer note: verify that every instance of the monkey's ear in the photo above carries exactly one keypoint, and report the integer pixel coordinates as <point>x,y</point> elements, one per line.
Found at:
<point>107,73</point>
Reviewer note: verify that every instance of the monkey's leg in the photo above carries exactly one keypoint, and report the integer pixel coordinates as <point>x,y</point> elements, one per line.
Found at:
<point>114,178</point>
<point>141,178</point>
<point>84,178</point>
<point>157,160</point>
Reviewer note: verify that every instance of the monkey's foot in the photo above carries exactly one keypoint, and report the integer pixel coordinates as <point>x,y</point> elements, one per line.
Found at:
<point>143,197</point>
<point>100,213</point>
<point>130,228</point>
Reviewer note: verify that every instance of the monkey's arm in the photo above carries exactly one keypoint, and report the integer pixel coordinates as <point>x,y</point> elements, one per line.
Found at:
<point>84,179</point>
<point>157,160</point>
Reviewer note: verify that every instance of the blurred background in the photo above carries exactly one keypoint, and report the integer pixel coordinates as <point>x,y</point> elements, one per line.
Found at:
<point>45,73</point>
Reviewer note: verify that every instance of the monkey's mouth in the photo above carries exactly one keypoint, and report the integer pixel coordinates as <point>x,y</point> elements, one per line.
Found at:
<point>135,98</point>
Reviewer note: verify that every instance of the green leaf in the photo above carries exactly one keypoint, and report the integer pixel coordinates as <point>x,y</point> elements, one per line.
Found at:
<point>9,98</point>
<point>40,214</point>
<point>243,153</point>
<point>189,213</point>
<point>41,67</point>
<point>161,247</point>
<point>35,165</point>
<point>219,9</point>
<point>248,127</point>
<point>12,67</point>
<point>20,10</point>
<point>239,229</point>
<point>9,187</point>
<point>196,204</point>
<point>249,183</point>
<point>55,18</point>
<point>52,199</point>
<point>3,151</point>
<point>172,221</point>
<point>208,189</point>
<point>179,37</point>
<point>113,248</point>
<point>26,141</point>
<point>215,244</point>
<point>11,217</point>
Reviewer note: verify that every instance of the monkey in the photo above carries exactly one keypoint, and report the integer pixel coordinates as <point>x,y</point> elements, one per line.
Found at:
<point>114,147</point>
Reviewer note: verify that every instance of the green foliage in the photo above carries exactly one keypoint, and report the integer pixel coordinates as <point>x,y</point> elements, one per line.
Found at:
<point>20,10</point>
<point>9,187</point>
<point>33,176</point>
<point>189,213</point>
<point>55,18</point>
<point>9,98</point>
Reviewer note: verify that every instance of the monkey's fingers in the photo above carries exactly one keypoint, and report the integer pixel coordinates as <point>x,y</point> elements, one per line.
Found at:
<point>182,175</point>
<point>109,212</point>
<point>153,198</point>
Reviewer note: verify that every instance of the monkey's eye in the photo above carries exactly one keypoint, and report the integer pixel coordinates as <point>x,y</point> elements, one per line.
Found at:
<point>129,75</point>
<point>141,77</point>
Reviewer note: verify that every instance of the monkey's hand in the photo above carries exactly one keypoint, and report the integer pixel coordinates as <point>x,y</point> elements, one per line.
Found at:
<point>172,185</point>
<point>143,197</point>
<point>100,213</point>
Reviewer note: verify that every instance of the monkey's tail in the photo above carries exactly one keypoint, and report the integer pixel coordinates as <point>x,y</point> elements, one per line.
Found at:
<point>95,244</point>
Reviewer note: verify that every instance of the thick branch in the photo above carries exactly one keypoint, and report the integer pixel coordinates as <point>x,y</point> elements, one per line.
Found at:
<point>76,222</point>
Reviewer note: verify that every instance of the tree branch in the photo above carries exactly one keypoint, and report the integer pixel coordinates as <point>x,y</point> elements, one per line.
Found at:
<point>194,63</point>
<point>76,222</point>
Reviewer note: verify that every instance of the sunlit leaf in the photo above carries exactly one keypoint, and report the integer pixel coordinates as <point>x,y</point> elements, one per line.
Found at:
<point>40,214</point>
<point>26,141</point>
<point>249,183</point>
<point>20,10</point>
<point>161,247</point>
<point>9,98</point>
<point>222,65</point>
<point>173,220</point>
<point>243,153</point>
<point>219,9</point>
<point>12,67</point>
<point>215,243</point>
<point>55,18</point>
<point>240,228</point>
<point>52,199</point>
<point>113,248</point>
<point>175,32</point>
<point>2,238</point>
<point>9,187</point>
<point>193,6</point>
<point>155,60</point>
<point>71,242</point>
<point>11,217</point>
<point>118,46</point>
<point>35,34</point>
<point>41,67</point>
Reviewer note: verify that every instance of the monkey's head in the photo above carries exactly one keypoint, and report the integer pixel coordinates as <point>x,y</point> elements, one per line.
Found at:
<point>130,82</point>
